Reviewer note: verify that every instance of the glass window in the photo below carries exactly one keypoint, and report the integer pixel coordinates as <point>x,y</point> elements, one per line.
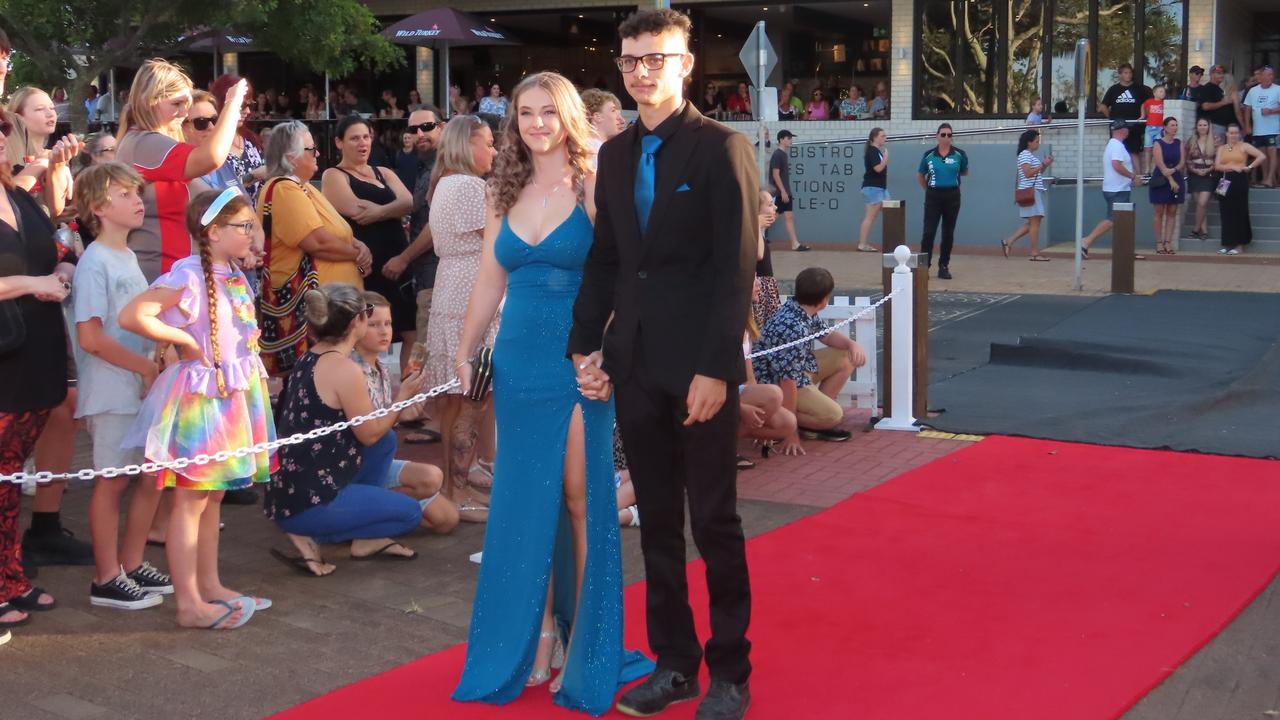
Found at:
<point>1026,54</point>
<point>994,57</point>
<point>1162,43</point>
<point>1115,43</point>
<point>1070,23</point>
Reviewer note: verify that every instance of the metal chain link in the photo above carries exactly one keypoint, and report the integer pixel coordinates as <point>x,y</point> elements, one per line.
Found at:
<point>224,455</point>
<point>825,331</point>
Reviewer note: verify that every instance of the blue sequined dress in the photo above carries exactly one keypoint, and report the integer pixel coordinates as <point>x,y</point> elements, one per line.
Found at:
<point>528,535</point>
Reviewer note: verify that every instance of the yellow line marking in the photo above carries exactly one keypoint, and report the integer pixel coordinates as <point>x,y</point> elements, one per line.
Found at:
<point>938,435</point>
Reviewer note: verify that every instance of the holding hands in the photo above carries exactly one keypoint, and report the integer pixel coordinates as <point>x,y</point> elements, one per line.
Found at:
<point>593,382</point>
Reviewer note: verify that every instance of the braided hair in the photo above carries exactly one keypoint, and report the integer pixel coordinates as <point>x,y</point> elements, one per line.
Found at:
<point>200,234</point>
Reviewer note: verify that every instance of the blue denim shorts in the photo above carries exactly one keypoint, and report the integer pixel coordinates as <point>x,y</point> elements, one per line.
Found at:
<point>1114,197</point>
<point>875,195</point>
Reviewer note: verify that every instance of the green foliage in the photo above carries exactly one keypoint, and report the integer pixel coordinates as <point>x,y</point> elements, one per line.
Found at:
<point>92,36</point>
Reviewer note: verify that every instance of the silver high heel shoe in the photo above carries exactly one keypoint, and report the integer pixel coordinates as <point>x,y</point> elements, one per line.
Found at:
<point>538,677</point>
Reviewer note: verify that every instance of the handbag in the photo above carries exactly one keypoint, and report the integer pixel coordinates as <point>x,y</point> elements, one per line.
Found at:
<point>1158,180</point>
<point>1224,185</point>
<point>281,312</point>
<point>1025,197</point>
<point>481,374</point>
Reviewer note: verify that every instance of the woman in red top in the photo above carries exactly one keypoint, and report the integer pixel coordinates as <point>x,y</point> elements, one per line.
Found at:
<point>152,144</point>
<point>739,104</point>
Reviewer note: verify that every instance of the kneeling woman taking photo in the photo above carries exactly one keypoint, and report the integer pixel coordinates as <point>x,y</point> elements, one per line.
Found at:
<point>313,497</point>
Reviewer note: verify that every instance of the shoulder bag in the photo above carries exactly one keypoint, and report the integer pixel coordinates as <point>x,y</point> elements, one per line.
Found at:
<point>281,315</point>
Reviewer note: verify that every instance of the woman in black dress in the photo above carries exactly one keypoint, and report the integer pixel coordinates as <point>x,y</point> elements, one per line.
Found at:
<point>375,202</point>
<point>1236,159</point>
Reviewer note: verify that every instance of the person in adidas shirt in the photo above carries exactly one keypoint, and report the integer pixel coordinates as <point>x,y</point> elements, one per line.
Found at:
<point>1123,101</point>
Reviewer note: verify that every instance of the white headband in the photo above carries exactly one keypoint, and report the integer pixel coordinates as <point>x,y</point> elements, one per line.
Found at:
<point>218,203</point>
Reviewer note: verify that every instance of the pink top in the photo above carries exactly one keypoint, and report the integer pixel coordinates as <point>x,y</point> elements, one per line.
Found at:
<point>237,324</point>
<point>817,110</point>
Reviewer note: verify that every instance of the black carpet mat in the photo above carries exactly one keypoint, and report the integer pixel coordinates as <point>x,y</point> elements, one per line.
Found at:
<point>1177,370</point>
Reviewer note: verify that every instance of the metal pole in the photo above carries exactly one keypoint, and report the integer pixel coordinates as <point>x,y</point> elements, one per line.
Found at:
<point>1082,53</point>
<point>443,51</point>
<point>900,417</point>
<point>327,113</point>
<point>762,58</point>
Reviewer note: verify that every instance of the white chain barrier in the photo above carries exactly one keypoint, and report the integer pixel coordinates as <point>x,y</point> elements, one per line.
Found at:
<point>825,331</point>
<point>224,455</point>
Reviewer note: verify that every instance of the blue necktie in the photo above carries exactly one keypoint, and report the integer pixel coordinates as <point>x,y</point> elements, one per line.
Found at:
<point>649,145</point>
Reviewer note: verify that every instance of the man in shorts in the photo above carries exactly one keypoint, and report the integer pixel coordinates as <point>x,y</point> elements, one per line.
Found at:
<point>1262,121</point>
<point>1118,178</point>
<point>780,179</point>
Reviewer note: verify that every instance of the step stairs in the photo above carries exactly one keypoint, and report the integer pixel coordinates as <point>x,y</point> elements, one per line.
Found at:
<point>1264,212</point>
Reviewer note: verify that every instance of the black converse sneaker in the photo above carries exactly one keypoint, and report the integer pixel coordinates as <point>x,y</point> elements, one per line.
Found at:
<point>151,580</point>
<point>122,593</point>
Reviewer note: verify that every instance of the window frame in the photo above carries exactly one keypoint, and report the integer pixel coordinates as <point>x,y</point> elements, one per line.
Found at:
<point>1000,83</point>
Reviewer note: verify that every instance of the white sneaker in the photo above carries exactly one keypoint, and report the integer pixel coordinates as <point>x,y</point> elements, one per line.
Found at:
<point>5,636</point>
<point>1233,251</point>
<point>1222,251</point>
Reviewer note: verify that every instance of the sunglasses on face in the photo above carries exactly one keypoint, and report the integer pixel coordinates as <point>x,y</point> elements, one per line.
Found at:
<point>425,127</point>
<point>203,123</point>
<point>946,134</point>
<point>652,61</point>
<point>105,151</point>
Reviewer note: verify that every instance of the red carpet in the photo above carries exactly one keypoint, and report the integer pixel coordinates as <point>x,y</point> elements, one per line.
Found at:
<point>1013,579</point>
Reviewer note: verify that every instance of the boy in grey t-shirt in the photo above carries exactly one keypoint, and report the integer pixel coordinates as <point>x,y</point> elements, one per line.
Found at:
<point>116,368</point>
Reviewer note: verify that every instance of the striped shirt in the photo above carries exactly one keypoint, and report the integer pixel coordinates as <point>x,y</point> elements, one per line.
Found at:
<point>1026,157</point>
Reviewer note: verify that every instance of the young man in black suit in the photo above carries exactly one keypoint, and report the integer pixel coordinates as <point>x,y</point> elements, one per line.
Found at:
<point>673,257</point>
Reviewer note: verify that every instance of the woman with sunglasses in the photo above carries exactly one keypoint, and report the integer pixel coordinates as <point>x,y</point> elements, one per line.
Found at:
<point>712,102</point>
<point>308,244</point>
<point>153,144</point>
<point>246,146</point>
<point>818,107</point>
<point>312,497</point>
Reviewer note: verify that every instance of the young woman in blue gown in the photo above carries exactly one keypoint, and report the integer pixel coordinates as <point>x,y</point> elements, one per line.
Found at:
<point>551,578</point>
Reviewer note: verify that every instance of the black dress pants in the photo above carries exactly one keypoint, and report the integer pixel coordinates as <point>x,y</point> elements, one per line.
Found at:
<point>669,462</point>
<point>940,204</point>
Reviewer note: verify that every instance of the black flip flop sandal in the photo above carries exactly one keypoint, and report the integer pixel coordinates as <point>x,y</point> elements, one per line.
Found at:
<point>382,554</point>
<point>5,609</point>
<point>300,564</point>
<point>30,602</point>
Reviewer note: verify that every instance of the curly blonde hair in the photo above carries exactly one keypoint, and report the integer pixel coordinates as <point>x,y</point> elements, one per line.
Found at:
<point>514,165</point>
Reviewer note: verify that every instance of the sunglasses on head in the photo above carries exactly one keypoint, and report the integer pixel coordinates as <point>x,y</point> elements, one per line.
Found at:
<point>425,127</point>
<point>368,311</point>
<point>203,123</point>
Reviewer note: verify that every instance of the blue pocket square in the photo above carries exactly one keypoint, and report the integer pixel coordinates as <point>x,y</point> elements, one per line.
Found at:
<point>684,187</point>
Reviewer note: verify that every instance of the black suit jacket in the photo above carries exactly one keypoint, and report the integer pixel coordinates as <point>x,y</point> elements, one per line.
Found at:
<point>680,294</point>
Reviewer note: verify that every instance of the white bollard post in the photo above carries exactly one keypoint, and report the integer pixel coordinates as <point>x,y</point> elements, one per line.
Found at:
<point>900,417</point>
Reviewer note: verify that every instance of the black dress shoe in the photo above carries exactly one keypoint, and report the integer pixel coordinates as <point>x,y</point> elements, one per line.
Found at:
<point>724,701</point>
<point>61,548</point>
<point>944,273</point>
<point>661,689</point>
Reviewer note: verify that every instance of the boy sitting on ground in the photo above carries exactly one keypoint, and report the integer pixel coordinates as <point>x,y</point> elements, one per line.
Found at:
<point>796,369</point>
<point>379,466</point>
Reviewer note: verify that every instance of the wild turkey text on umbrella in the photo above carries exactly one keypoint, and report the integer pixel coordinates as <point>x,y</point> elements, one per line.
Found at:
<point>442,28</point>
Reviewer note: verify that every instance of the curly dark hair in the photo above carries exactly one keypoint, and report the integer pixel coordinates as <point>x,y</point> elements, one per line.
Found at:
<point>655,22</point>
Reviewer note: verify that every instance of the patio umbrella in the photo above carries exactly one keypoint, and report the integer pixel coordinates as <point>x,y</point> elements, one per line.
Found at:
<point>217,42</point>
<point>442,28</point>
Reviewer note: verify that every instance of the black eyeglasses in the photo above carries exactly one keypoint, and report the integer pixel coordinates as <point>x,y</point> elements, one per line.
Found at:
<point>652,61</point>
<point>245,228</point>
<point>203,123</point>
<point>313,150</point>
<point>425,127</point>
